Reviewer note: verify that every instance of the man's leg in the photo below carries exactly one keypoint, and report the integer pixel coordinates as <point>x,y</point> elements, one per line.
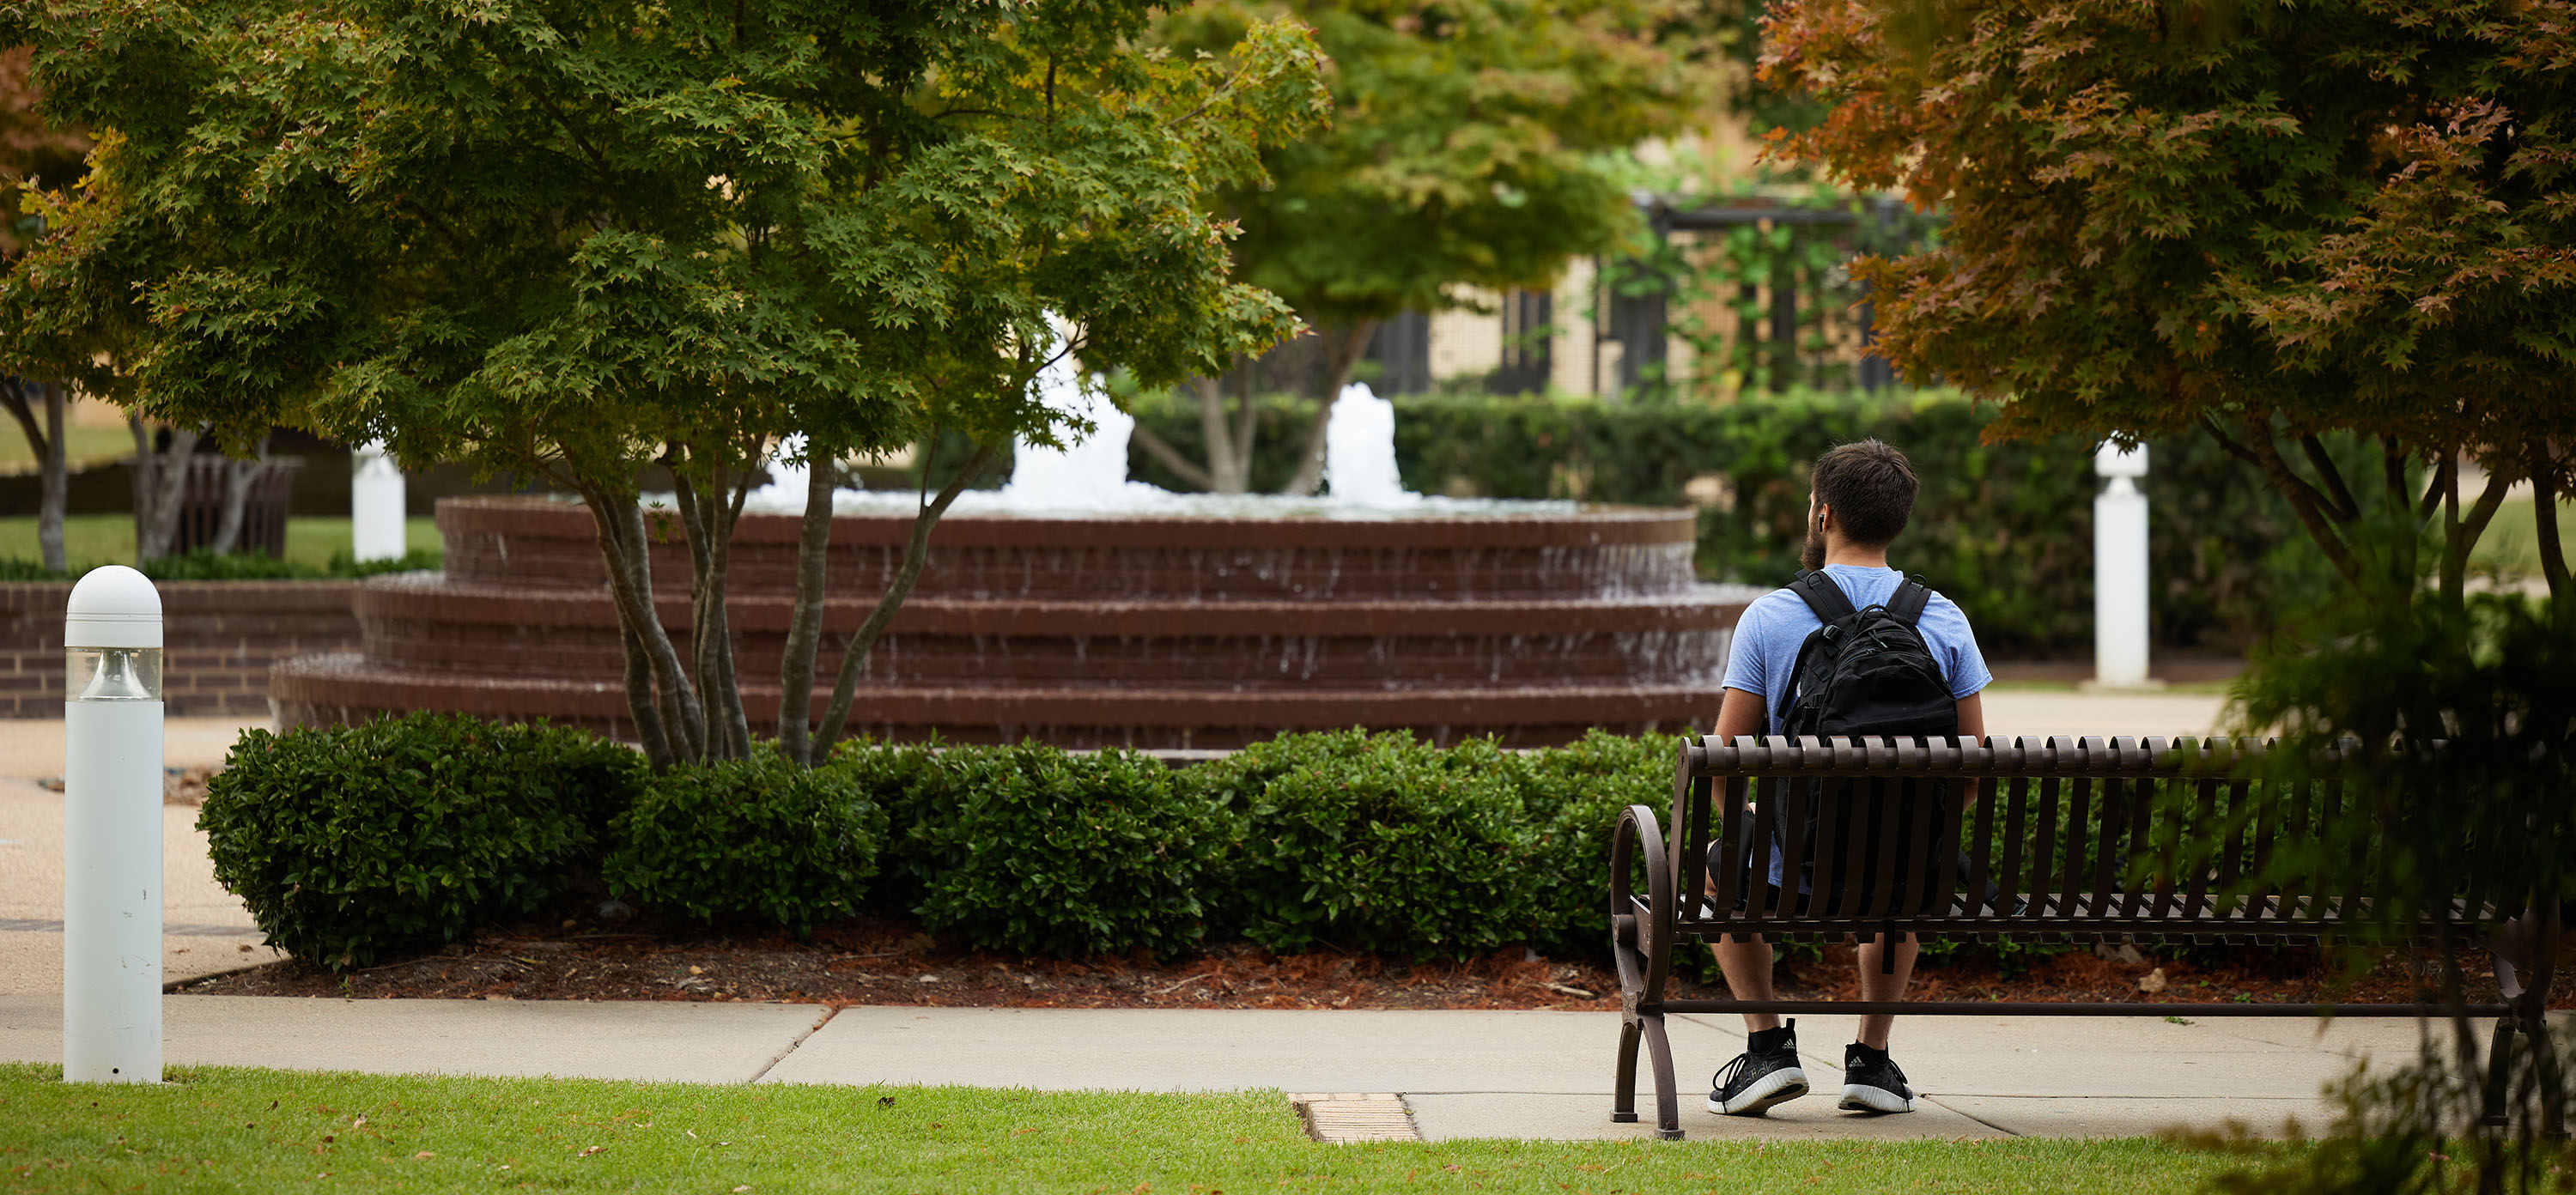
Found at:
<point>1875,984</point>
<point>1747,964</point>
<point>1767,1073</point>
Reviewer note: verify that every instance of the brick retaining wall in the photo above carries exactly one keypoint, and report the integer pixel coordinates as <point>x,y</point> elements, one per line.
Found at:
<point>222,637</point>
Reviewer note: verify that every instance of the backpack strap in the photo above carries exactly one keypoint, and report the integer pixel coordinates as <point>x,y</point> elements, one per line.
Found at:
<point>1907,603</point>
<point>1822,596</point>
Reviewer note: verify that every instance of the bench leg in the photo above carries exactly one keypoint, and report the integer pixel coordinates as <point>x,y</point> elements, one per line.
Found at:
<point>1623,1098</point>
<point>1668,1105</point>
<point>2499,1070</point>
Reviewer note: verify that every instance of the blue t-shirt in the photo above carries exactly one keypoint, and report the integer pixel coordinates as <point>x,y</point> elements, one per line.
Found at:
<point>1767,638</point>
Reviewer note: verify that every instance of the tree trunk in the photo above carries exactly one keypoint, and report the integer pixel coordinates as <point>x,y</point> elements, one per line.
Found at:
<point>2544,519</point>
<point>45,441</point>
<point>1342,352</point>
<point>805,621</point>
<point>239,476</point>
<point>1161,449</point>
<point>1229,470</point>
<point>57,482</point>
<point>2460,535</point>
<point>659,696</point>
<point>709,519</point>
<point>160,485</point>
<point>916,552</point>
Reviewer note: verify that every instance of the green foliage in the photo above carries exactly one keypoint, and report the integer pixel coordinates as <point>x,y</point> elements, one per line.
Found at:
<point>758,839</point>
<point>565,241</point>
<point>1573,796</point>
<point>1378,842</point>
<point>2434,745</point>
<point>353,844</point>
<point>2403,1130</point>
<point>1040,851</point>
<point>2260,223</point>
<point>1469,146</point>
<point>2004,529</point>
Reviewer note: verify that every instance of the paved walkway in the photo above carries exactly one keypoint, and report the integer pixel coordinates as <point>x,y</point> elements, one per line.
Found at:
<point>208,929</point>
<point>1461,1074</point>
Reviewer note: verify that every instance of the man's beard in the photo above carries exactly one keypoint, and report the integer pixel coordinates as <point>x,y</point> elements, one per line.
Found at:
<point>1813,557</point>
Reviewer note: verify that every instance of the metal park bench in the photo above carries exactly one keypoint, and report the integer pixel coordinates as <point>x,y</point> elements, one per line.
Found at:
<point>2018,839</point>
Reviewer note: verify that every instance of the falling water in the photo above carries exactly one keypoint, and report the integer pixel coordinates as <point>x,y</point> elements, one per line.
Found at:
<point>1359,450</point>
<point>1090,473</point>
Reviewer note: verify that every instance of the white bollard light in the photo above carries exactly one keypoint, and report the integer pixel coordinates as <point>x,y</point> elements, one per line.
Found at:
<point>376,527</point>
<point>112,830</point>
<point>2120,570</point>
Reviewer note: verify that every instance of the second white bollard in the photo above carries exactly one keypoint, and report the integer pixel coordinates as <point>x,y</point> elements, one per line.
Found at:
<point>112,829</point>
<point>2120,577</point>
<point>376,527</point>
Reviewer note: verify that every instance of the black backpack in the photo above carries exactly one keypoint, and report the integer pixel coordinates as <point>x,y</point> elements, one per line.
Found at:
<point>1867,672</point>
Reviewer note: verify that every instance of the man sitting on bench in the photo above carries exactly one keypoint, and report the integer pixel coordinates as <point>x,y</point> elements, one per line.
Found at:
<point>1850,648</point>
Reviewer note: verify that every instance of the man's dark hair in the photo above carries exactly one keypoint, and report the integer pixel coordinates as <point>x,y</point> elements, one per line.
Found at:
<point>1871,487</point>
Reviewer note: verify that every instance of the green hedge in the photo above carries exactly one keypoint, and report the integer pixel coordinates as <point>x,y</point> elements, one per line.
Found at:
<point>1039,851</point>
<point>2003,529</point>
<point>351,844</point>
<point>1377,842</point>
<point>758,839</point>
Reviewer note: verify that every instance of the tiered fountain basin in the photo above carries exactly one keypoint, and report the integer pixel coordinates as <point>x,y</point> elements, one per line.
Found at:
<point>1155,630</point>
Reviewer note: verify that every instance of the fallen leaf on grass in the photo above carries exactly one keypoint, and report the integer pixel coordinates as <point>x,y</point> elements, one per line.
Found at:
<point>424,1154</point>
<point>592,1150</point>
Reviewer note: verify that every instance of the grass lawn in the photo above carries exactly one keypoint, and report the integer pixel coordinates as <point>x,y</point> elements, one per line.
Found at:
<point>237,1129</point>
<point>93,540</point>
<point>83,444</point>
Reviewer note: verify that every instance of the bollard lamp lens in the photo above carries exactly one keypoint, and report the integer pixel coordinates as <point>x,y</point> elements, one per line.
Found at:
<point>113,673</point>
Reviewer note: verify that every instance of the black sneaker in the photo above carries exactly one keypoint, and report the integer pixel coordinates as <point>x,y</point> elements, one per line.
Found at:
<point>1872,1083</point>
<point>1765,1075</point>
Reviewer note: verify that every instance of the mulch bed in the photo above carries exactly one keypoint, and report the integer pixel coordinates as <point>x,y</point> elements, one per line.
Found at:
<point>891,962</point>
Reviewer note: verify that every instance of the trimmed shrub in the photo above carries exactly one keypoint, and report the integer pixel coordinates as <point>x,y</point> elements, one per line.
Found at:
<point>1377,842</point>
<point>1573,796</point>
<point>350,844</point>
<point>904,780</point>
<point>758,839</point>
<point>1034,850</point>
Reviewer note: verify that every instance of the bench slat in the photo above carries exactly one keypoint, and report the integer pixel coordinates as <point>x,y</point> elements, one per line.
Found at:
<point>2197,902</point>
<point>2016,889</point>
<point>2107,835</point>
<point>1981,845</point>
<point>1732,849</point>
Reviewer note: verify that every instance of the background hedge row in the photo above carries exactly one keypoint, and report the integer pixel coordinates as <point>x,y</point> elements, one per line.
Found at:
<point>2006,530</point>
<point>351,845</point>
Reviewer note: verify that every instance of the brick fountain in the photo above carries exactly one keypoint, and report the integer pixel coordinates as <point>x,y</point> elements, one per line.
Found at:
<point>1167,625</point>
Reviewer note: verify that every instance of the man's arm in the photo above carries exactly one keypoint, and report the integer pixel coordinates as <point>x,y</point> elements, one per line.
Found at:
<point>1740,713</point>
<point>1972,715</point>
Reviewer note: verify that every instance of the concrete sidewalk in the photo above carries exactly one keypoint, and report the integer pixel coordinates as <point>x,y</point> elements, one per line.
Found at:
<point>208,930</point>
<point>1461,1074</point>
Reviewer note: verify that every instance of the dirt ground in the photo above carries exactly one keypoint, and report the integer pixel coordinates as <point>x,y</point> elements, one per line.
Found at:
<point>891,962</point>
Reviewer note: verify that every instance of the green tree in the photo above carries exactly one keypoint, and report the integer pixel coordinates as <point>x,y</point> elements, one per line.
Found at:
<point>569,240</point>
<point>35,153</point>
<point>2265,223</point>
<point>1471,146</point>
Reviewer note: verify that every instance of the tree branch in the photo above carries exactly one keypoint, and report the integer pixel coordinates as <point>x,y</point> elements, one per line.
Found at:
<point>2461,534</point>
<point>1160,449</point>
<point>2304,500</point>
<point>916,553</point>
<point>13,396</point>
<point>2346,507</point>
<point>2544,518</point>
